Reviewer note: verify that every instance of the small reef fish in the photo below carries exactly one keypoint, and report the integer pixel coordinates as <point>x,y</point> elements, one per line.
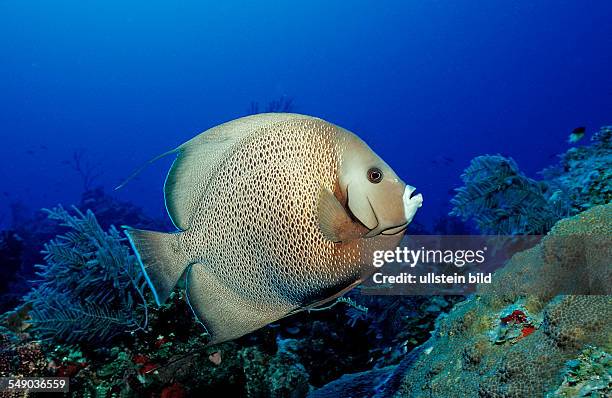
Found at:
<point>576,135</point>
<point>276,213</point>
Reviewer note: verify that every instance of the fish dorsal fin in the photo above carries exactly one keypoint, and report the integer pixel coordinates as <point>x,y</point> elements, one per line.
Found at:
<point>334,222</point>
<point>198,158</point>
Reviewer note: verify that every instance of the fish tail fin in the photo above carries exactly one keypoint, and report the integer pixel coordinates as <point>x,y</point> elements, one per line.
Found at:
<point>161,258</point>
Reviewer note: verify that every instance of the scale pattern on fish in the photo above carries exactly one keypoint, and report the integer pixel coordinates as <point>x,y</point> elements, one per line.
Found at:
<point>276,213</point>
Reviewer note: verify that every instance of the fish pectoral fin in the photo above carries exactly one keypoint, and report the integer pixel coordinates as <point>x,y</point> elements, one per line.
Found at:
<point>334,221</point>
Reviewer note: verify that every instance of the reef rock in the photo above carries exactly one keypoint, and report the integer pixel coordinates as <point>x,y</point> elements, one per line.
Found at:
<point>508,341</point>
<point>583,176</point>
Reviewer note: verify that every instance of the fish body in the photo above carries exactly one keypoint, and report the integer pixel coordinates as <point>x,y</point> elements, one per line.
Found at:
<point>576,135</point>
<point>276,213</point>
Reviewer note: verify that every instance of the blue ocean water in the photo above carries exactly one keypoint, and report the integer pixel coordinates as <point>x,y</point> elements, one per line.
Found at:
<point>429,85</point>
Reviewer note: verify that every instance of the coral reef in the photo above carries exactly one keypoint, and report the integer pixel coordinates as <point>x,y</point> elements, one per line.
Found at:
<point>502,343</point>
<point>518,337</point>
<point>177,362</point>
<point>109,211</point>
<point>169,355</point>
<point>515,323</point>
<point>502,200</point>
<point>394,325</point>
<point>583,175</point>
<point>91,288</point>
<point>11,249</point>
<point>20,247</point>
<point>281,375</point>
<point>27,359</point>
<point>283,360</point>
<point>589,375</point>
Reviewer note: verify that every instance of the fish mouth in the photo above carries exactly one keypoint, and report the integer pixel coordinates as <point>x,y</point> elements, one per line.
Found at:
<point>411,203</point>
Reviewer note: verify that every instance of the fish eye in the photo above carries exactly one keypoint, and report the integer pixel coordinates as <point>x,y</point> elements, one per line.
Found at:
<point>375,175</point>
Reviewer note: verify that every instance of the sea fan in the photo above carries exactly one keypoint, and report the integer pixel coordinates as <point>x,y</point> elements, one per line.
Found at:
<point>91,288</point>
<point>502,200</point>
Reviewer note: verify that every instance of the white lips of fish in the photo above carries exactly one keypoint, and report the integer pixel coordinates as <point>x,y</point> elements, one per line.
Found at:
<point>411,204</point>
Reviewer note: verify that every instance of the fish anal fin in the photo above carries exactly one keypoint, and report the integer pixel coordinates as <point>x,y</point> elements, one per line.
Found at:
<point>226,314</point>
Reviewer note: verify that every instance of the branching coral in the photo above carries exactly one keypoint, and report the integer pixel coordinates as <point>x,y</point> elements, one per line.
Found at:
<point>91,288</point>
<point>502,200</point>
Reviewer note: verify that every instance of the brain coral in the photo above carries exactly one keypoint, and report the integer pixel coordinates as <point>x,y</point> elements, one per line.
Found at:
<point>515,338</point>
<point>464,359</point>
